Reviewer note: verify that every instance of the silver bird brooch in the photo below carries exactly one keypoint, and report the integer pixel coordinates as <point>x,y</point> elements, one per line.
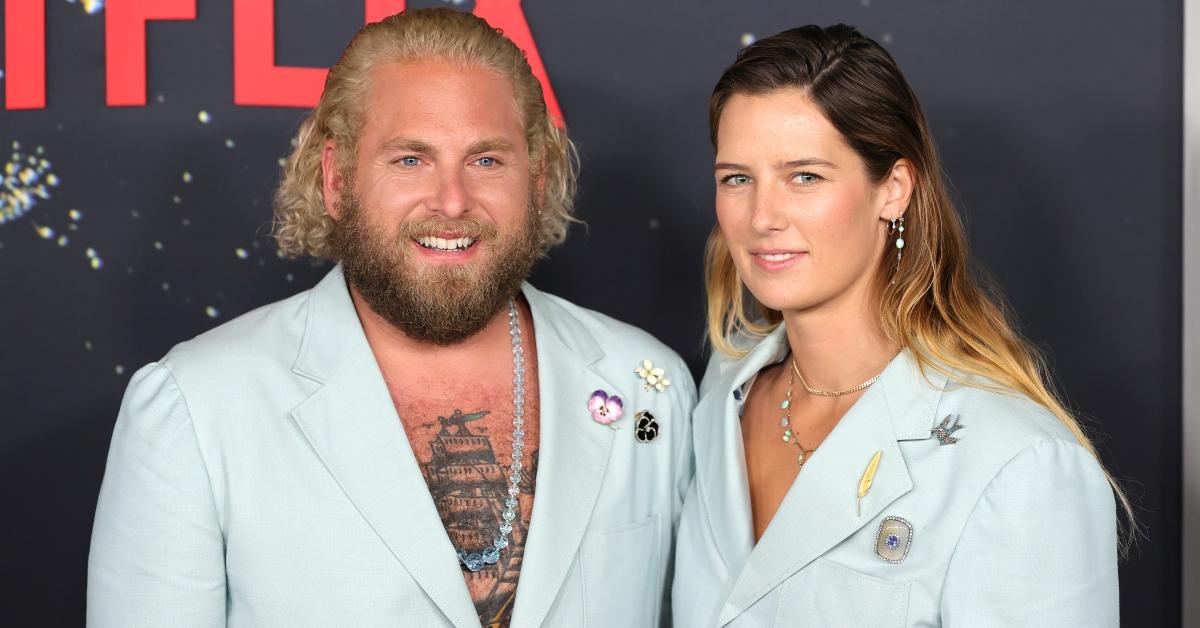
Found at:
<point>945,430</point>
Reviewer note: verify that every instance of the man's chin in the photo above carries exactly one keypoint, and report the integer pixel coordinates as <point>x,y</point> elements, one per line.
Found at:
<point>448,282</point>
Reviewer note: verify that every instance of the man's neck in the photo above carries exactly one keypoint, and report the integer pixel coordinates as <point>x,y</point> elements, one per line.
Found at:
<point>395,349</point>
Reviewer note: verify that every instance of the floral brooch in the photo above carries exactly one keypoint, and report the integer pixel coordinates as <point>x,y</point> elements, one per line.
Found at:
<point>652,376</point>
<point>605,408</point>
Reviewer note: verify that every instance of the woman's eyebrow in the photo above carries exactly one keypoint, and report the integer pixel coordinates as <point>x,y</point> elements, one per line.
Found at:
<point>809,161</point>
<point>795,163</point>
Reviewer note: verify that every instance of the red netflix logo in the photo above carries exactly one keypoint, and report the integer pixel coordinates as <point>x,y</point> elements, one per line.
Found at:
<point>256,78</point>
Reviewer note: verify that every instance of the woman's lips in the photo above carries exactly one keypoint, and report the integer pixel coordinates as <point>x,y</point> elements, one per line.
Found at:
<point>777,260</point>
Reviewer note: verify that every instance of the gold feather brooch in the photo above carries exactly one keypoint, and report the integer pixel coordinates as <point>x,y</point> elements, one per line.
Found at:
<point>868,477</point>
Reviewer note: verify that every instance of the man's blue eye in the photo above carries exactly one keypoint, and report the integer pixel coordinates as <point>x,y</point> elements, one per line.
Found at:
<point>487,161</point>
<point>410,161</point>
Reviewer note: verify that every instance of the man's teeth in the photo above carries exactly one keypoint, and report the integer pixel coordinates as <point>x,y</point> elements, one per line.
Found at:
<point>776,257</point>
<point>442,244</point>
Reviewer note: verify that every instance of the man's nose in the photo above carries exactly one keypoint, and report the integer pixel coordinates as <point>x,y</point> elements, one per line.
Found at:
<point>451,194</point>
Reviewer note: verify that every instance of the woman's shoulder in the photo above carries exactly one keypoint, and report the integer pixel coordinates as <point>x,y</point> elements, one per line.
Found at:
<point>1004,429</point>
<point>998,410</point>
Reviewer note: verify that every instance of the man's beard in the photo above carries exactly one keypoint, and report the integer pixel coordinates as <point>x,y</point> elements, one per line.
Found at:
<point>442,304</point>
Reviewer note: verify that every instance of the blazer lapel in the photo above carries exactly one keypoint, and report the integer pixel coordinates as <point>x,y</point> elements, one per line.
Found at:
<point>720,454</point>
<point>352,425</point>
<point>821,508</point>
<point>573,455</point>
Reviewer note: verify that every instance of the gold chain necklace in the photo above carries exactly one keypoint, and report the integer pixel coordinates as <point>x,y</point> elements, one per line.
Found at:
<point>786,422</point>
<point>832,393</point>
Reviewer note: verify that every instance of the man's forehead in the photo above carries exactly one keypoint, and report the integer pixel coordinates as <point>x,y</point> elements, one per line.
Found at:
<point>442,96</point>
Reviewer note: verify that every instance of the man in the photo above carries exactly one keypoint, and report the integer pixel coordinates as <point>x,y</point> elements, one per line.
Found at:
<point>422,439</point>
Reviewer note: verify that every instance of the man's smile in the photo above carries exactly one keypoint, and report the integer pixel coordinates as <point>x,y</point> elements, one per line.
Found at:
<point>435,243</point>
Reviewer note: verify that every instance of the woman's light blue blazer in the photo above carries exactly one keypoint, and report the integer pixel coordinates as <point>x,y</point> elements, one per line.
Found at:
<point>1012,525</point>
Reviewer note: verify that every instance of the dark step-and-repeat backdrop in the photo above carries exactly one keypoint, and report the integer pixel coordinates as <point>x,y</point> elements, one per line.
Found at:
<point>141,142</point>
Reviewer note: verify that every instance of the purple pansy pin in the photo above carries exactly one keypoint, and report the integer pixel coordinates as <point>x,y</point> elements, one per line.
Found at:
<point>604,408</point>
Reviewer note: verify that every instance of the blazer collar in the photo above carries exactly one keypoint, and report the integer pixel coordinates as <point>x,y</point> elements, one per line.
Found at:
<point>573,453</point>
<point>720,455</point>
<point>821,507</point>
<point>331,329</point>
<point>352,425</point>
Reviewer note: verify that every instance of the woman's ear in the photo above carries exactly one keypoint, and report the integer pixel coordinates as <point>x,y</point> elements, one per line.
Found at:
<point>331,179</point>
<point>896,190</point>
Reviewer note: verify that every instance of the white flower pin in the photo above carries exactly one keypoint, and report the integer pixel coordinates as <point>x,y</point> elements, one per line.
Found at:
<point>655,378</point>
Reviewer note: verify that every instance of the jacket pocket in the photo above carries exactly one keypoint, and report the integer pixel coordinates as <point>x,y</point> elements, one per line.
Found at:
<point>623,578</point>
<point>828,594</point>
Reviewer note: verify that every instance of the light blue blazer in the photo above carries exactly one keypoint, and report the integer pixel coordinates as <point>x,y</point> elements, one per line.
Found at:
<point>259,476</point>
<point>1013,525</point>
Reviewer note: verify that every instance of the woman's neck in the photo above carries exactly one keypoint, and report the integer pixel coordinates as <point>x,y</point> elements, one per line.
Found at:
<point>838,346</point>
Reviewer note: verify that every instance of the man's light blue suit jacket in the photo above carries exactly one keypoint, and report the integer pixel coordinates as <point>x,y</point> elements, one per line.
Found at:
<point>1013,525</point>
<point>259,476</point>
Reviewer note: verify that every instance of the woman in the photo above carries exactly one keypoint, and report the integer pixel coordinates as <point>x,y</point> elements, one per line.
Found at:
<point>875,444</point>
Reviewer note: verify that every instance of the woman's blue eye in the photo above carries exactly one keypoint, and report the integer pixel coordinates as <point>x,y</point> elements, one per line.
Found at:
<point>807,178</point>
<point>735,179</point>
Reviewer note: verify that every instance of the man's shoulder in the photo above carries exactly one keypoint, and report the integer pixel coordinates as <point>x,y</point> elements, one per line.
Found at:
<point>270,332</point>
<point>616,338</point>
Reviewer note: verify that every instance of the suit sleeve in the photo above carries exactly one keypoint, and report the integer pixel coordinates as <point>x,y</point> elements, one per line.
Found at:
<point>157,554</point>
<point>1040,547</point>
<point>684,470</point>
<point>684,453</point>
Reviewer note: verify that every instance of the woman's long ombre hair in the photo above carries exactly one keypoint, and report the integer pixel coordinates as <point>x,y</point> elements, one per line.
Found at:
<point>932,304</point>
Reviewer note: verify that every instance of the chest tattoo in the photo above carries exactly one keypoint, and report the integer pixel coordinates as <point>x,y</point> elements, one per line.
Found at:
<point>465,458</point>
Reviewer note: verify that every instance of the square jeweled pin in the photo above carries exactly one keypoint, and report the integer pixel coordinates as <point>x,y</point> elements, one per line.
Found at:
<point>894,539</point>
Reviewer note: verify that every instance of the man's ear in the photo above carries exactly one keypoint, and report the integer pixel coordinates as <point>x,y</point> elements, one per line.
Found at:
<point>331,179</point>
<point>897,190</point>
<point>539,184</point>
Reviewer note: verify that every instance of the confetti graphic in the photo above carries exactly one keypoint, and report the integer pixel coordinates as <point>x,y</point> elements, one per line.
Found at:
<point>27,179</point>
<point>92,7</point>
<point>30,181</point>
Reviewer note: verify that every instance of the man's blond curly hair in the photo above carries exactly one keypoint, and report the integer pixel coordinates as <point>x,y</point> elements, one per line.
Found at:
<point>301,224</point>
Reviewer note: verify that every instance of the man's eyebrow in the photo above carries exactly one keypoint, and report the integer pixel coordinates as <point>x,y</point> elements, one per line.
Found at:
<point>405,144</point>
<point>492,144</point>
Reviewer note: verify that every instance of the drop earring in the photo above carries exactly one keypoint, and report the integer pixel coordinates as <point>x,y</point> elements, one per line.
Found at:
<point>897,228</point>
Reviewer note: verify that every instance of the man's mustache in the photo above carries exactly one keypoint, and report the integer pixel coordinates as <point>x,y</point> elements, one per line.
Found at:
<point>473,228</point>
